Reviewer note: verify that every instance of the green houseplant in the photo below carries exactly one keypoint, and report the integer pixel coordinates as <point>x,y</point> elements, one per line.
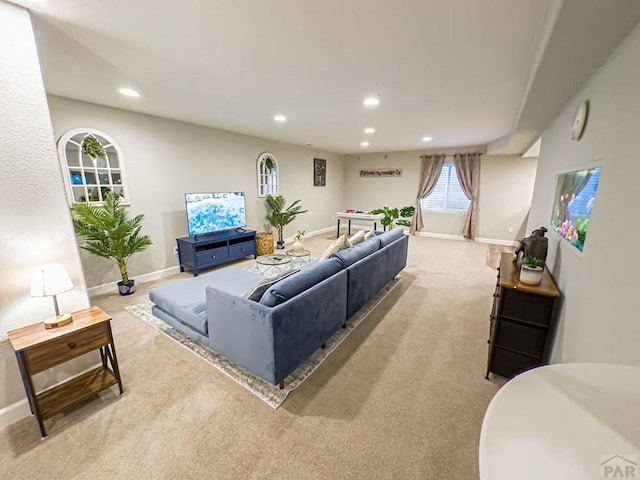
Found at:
<point>278,217</point>
<point>395,215</point>
<point>531,270</point>
<point>110,233</point>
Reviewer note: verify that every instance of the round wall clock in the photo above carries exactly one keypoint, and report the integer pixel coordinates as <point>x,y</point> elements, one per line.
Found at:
<point>579,120</point>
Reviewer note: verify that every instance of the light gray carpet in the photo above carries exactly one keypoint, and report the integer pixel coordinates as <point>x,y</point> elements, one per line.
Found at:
<point>402,397</point>
<point>270,394</point>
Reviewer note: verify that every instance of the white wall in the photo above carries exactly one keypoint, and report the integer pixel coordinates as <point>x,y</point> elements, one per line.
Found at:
<point>36,227</point>
<point>599,318</point>
<point>506,185</point>
<point>166,158</point>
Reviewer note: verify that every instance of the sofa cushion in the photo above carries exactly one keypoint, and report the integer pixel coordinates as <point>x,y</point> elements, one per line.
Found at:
<point>301,281</point>
<point>185,299</point>
<point>255,292</point>
<point>357,252</point>
<point>356,238</point>
<point>390,236</point>
<point>338,244</point>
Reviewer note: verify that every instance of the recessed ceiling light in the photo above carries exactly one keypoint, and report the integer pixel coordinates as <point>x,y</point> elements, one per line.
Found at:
<point>369,130</point>
<point>364,144</point>
<point>426,139</point>
<point>371,101</point>
<point>280,118</point>
<point>129,92</point>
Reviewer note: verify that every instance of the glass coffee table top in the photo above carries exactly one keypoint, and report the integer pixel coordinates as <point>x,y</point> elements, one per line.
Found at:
<point>270,265</point>
<point>299,257</point>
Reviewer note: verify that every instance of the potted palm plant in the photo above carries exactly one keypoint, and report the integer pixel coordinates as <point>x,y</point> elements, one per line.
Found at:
<point>278,217</point>
<point>110,233</point>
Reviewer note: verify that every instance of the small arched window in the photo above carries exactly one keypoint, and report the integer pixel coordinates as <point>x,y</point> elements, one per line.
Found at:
<point>92,166</point>
<point>268,171</point>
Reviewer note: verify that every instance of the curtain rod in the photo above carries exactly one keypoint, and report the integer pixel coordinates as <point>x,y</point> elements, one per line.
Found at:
<point>451,154</point>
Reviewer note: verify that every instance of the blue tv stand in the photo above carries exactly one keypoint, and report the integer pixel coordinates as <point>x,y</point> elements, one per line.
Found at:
<point>206,251</point>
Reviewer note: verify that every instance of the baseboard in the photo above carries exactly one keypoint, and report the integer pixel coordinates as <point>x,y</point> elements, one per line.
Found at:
<point>496,241</point>
<point>312,233</point>
<point>145,277</point>
<point>14,413</point>
<point>445,236</point>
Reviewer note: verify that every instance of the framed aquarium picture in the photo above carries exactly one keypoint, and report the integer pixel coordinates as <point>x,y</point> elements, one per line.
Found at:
<point>575,196</point>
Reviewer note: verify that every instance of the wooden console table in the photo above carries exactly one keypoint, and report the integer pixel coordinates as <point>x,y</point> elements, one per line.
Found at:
<point>38,349</point>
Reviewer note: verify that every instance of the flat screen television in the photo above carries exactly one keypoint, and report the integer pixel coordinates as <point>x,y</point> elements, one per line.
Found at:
<point>215,212</point>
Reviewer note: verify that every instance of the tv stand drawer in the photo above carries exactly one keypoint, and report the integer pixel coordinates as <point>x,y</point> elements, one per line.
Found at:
<point>212,256</point>
<point>243,249</point>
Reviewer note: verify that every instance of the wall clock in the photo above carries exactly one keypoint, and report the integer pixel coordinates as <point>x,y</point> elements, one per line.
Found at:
<point>579,120</point>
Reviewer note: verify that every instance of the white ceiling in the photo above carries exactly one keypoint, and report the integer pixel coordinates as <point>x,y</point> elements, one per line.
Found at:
<point>461,71</point>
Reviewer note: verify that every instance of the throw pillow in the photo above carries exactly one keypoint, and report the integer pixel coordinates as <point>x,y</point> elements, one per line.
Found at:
<point>356,238</point>
<point>256,292</point>
<point>369,234</point>
<point>338,244</point>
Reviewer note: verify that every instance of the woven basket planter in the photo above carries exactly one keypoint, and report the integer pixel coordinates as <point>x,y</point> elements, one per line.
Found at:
<point>265,243</point>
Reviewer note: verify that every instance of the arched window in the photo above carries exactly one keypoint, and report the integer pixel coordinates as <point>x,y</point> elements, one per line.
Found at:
<point>268,170</point>
<point>92,166</point>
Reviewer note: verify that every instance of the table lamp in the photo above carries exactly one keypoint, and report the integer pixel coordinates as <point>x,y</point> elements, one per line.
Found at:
<point>49,281</point>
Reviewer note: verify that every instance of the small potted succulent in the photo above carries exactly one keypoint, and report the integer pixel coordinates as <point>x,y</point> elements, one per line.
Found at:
<point>531,270</point>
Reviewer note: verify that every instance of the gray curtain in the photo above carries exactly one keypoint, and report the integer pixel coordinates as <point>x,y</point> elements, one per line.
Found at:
<point>468,170</point>
<point>429,174</point>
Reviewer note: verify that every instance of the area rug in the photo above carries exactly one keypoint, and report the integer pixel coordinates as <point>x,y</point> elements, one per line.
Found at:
<point>270,394</point>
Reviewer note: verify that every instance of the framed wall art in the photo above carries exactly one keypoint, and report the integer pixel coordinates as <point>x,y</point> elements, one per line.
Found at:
<point>319,172</point>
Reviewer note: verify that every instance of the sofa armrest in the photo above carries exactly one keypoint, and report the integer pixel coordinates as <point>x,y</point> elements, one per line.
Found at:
<point>242,331</point>
<point>271,342</point>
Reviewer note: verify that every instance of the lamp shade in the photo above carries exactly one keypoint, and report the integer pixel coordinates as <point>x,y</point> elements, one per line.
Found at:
<point>48,280</point>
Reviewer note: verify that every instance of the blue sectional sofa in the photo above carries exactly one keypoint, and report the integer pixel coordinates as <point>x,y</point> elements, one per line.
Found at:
<point>271,336</point>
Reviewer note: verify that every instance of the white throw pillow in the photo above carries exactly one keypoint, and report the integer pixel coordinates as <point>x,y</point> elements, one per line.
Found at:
<point>255,293</point>
<point>338,244</point>
<point>369,234</point>
<point>356,238</point>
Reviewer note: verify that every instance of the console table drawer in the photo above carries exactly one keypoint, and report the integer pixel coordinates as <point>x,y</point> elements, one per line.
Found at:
<point>54,352</point>
<point>212,256</point>
<point>521,338</point>
<point>507,364</point>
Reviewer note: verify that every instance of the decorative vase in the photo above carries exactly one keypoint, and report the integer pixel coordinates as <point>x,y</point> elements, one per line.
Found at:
<point>280,244</point>
<point>127,288</point>
<point>530,275</point>
<point>298,245</point>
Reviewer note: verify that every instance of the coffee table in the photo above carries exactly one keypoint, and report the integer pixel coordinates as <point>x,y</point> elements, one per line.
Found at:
<point>273,264</point>
<point>299,258</point>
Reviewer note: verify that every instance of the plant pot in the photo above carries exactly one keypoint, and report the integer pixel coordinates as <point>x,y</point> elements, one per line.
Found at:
<point>127,288</point>
<point>280,244</point>
<point>530,275</point>
<point>298,246</point>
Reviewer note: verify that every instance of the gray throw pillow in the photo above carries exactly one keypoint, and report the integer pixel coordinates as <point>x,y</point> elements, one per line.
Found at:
<point>255,293</point>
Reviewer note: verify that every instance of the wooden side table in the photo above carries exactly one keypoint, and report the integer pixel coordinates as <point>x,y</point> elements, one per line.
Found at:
<point>38,349</point>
